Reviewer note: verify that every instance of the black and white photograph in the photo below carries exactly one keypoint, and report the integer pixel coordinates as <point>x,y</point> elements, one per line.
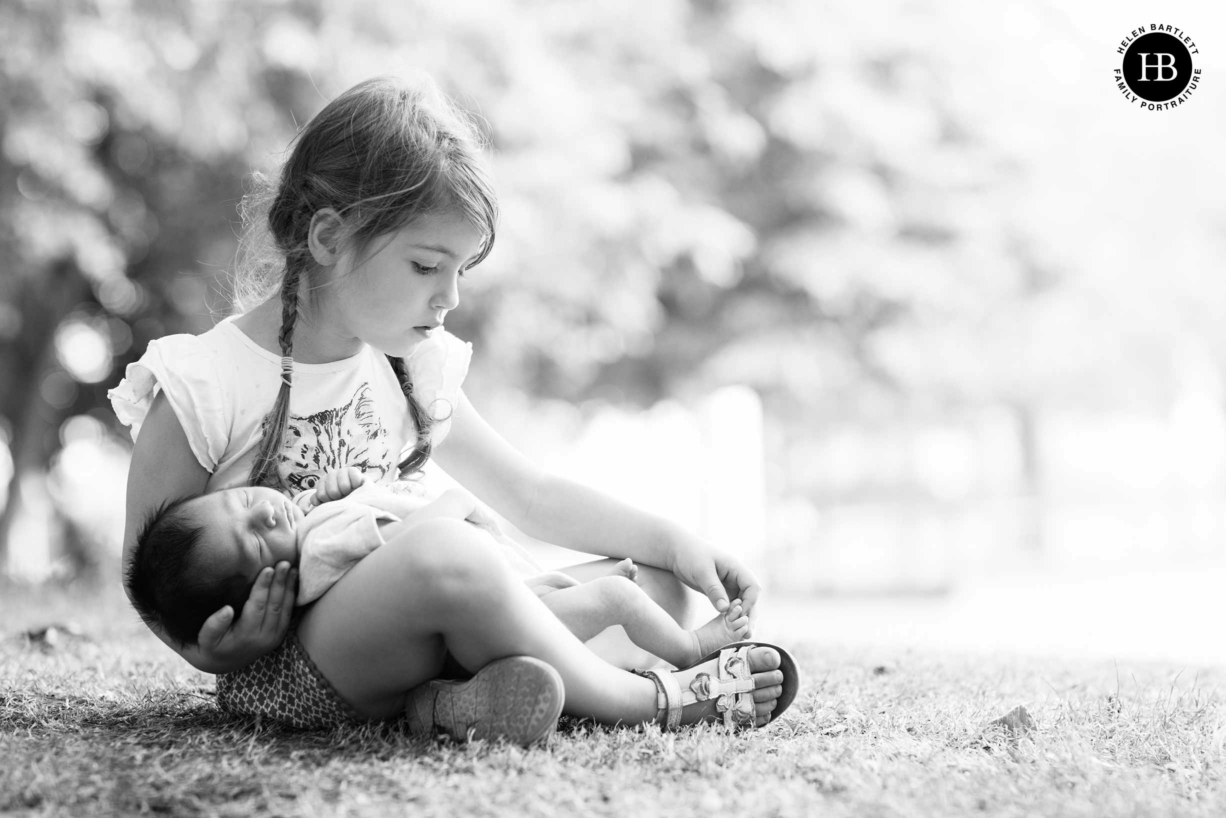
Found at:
<point>615,408</point>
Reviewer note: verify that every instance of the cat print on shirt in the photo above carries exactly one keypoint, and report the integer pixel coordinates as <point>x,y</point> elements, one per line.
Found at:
<point>349,435</point>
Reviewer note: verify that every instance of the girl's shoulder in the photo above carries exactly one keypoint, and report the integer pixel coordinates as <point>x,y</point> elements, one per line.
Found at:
<point>193,371</point>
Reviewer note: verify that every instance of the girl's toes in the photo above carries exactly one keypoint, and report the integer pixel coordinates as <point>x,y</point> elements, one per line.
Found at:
<point>766,694</point>
<point>765,659</point>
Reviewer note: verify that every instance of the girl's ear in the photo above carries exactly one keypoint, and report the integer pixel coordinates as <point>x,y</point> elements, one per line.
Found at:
<point>324,237</point>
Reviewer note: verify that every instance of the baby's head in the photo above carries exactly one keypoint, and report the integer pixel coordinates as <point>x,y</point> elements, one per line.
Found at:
<point>199,554</point>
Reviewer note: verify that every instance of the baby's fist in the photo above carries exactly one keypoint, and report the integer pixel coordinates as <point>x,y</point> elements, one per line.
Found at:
<point>338,483</point>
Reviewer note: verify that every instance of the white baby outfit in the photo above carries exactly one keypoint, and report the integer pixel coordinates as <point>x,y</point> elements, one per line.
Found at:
<point>334,536</point>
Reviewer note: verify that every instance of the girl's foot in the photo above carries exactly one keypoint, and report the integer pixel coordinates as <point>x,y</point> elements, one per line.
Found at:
<point>730,626</point>
<point>746,684</point>
<point>517,699</point>
<point>627,569</point>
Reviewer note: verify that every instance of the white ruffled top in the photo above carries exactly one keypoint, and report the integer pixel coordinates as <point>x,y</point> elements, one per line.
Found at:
<point>351,412</point>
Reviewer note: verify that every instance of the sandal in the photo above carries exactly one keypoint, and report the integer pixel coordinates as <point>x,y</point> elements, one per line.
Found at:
<point>517,699</point>
<point>729,681</point>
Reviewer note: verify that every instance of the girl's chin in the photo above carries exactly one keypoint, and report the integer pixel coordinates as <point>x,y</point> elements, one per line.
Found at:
<point>402,347</point>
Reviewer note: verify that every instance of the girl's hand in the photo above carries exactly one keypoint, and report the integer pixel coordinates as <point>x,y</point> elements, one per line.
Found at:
<point>261,628</point>
<point>337,483</point>
<point>463,504</point>
<point>720,576</point>
<point>482,517</point>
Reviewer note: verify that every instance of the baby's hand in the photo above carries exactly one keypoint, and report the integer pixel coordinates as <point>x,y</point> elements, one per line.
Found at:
<point>338,483</point>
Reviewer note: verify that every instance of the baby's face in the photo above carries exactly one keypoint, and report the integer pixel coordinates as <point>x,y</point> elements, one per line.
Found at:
<point>247,529</point>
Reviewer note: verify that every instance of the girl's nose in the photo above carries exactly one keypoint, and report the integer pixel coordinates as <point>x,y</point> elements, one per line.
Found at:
<point>448,296</point>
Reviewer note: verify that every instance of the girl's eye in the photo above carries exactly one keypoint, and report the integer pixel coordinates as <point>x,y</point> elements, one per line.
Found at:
<point>425,270</point>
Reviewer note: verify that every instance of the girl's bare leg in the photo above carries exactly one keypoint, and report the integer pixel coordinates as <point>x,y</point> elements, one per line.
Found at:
<point>684,606</point>
<point>385,626</point>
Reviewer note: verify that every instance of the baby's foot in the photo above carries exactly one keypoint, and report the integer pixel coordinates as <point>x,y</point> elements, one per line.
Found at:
<point>627,569</point>
<point>730,626</point>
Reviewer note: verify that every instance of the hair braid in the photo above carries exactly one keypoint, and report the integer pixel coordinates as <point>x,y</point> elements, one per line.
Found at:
<point>381,155</point>
<point>265,471</point>
<point>421,419</point>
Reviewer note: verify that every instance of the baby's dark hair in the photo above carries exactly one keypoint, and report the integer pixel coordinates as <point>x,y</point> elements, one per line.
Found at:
<point>170,590</point>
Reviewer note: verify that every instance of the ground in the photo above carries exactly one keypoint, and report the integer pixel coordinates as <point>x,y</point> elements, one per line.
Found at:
<point>96,717</point>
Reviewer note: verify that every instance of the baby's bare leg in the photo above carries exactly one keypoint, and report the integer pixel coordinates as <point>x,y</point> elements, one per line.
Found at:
<point>583,608</point>
<point>589,608</point>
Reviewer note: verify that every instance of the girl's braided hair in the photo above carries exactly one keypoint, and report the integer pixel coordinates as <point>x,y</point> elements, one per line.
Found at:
<point>382,154</point>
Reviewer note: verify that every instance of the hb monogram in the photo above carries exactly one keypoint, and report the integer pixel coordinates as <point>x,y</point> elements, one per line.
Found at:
<point>1161,65</point>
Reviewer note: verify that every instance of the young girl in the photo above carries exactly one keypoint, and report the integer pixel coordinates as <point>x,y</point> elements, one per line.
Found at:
<point>381,207</point>
<point>206,552</point>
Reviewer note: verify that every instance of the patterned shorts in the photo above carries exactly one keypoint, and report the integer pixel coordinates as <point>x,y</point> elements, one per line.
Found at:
<point>285,686</point>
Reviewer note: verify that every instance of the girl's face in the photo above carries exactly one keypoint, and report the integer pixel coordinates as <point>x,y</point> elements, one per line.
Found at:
<point>401,292</point>
<point>247,529</point>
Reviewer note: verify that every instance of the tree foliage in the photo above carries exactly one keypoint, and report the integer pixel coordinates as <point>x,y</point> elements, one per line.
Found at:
<point>786,194</point>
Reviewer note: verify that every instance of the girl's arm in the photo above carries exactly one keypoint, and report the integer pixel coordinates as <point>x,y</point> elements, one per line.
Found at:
<point>566,513</point>
<point>163,469</point>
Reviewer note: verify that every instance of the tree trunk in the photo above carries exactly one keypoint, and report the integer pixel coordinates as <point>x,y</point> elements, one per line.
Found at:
<point>1031,477</point>
<point>44,301</point>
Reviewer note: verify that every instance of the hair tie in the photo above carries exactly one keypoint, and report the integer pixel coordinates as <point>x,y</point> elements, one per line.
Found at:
<point>287,370</point>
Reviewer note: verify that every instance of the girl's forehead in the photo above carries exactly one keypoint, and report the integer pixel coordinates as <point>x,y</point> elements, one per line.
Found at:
<point>449,234</point>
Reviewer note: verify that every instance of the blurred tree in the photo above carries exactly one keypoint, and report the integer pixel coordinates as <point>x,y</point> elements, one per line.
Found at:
<point>125,128</point>
<point>839,212</point>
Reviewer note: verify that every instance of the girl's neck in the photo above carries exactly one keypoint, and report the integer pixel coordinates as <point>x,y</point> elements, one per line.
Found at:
<point>312,343</point>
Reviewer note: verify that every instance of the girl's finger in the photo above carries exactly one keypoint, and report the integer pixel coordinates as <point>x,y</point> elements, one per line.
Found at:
<point>257,602</point>
<point>215,628</point>
<point>276,596</point>
<point>749,596</point>
<point>287,610</point>
<point>714,589</point>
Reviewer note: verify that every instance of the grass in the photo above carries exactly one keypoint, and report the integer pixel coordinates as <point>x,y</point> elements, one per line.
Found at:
<point>109,722</point>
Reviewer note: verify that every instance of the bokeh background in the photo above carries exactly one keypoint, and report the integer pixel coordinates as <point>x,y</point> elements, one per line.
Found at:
<point>902,300</point>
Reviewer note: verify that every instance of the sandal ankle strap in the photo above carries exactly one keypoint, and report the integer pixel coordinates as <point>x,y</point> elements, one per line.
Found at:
<point>668,698</point>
